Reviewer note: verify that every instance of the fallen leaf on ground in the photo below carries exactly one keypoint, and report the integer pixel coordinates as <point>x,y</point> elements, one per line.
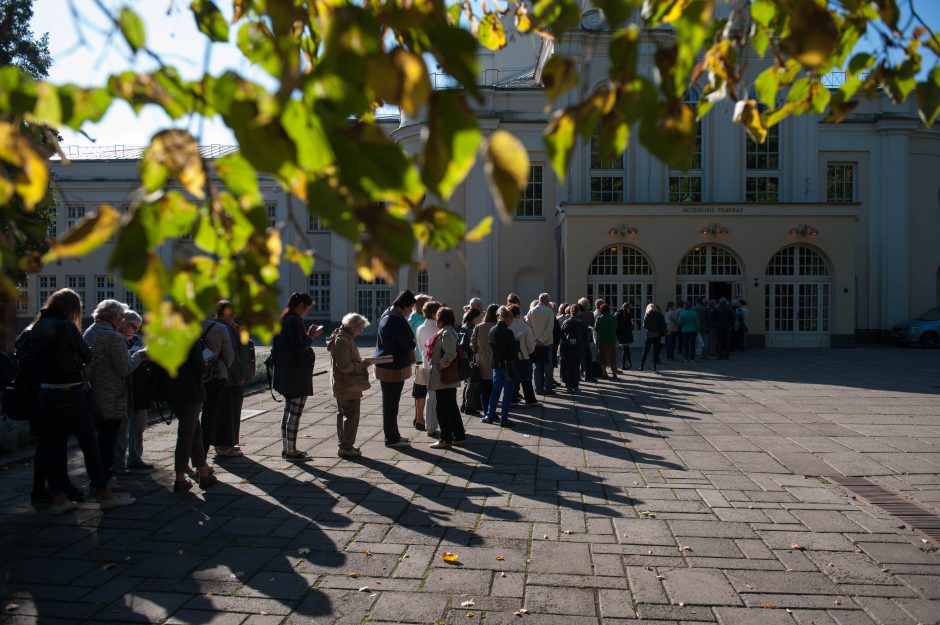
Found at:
<point>467,604</point>
<point>686,549</point>
<point>354,575</point>
<point>471,614</point>
<point>503,574</point>
<point>797,547</point>
<point>500,558</point>
<point>368,553</point>
<point>769,606</point>
<point>449,557</point>
<point>681,605</point>
<point>567,532</point>
<point>365,589</point>
<point>521,612</point>
<point>545,536</point>
<point>647,514</point>
<point>660,577</point>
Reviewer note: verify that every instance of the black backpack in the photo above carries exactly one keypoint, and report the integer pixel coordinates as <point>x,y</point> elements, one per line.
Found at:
<point>20,374</point>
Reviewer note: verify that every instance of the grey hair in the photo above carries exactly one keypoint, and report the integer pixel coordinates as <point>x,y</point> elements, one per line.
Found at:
<point>545,298</point>
<point>108,309</point>
<point>355,320</point>
<point>132,316</point>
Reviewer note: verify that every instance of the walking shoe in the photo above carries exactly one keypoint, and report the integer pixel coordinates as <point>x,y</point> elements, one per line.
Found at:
<point>142,466</point>
<point>533,404</point>
<point>181,485</point>
<point>62,508</point>
<point>421,427</point>
<point>434,434</point>
<point>440,445</point>
<point>507,424</point>
<point>461,443</point>
<point>117,500</point>
<point>208,480</point>
<point>487,420</point>
<point>349,453</point>
<point>295,456</point>
<point>401,442</point>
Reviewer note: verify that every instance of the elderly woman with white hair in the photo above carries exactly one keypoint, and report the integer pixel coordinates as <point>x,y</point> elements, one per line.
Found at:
<point>129,449</point>
<point>349,375</point>
<point>108,374</point>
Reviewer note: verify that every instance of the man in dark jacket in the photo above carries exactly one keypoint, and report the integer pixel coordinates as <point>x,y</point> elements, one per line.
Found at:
<point>574,342</point>
<point>724,322</point>
<point>701,309</point>
<point>625,335</point>
<point>655,325</point>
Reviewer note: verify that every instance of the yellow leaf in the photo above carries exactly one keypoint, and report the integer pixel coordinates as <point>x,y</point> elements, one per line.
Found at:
<point>86,235</point>
<point>675,12</point>
<point>177,151</point>
<point>507,170</point>
<point>449,557</point>
<point>481,230</point>
<point>500,558</point>
<point>32,177</point>
<point>746,114</point>
<point>415,83</point>
<point>368,553</point>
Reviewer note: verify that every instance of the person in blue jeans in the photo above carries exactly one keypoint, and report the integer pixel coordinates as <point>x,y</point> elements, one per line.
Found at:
<point>505,352</point>
<point>687,319</point>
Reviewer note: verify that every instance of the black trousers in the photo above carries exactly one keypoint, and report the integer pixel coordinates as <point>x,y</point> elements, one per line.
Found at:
<point>657,346</point>
<point>486,387</point>
<point>448,416</point>
<point>625,359</point>
<point>724,343</point>
<point>107,438</point>
<point>211,413</point>
<point>64,411</point>
<point>391,396</point>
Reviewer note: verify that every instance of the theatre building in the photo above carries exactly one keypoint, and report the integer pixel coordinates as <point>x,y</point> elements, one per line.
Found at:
<point>830,232</point>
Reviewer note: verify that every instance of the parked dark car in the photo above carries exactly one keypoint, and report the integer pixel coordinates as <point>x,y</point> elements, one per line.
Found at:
<point>923,329</point>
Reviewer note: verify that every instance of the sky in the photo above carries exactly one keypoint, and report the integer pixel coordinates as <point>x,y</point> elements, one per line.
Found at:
<point>86,51</point>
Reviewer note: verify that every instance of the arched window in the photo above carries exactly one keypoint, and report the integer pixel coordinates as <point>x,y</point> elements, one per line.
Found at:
<point>797,298</point>
<point>709,271</point>
<point>621,273</point>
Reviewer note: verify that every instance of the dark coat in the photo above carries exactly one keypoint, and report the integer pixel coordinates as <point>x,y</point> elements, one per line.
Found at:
<point>655,324</point>
<point>59,350</point>
<point>140,378</point>
<point>624,327</point>
<point>724,317</point>
<point>293,359</point>
<point>186,388</point>
<point>574,335</point>
<point>395,339</point>
<point>504,344</point>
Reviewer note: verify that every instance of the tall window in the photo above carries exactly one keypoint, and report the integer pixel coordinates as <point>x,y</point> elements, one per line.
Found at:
<point>47,286</point>
<point>840,182</point>
<point>606,175</point>
<point>422,283</point>
<point>272,215</point>
<point>22,302</point>
<point>314,224</point>
<point>77,284</point>
<point>372,298</point>
<point>133,301</point>
<point>318,285</point>
<point>762,165</point>
<point>530,204</point>
<point>53,229</point>
<point>73,213</point>
<point>104,288</point>
<point>686,186</point>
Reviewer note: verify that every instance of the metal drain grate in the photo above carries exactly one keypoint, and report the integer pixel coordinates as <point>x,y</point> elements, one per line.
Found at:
<point>927,523</point>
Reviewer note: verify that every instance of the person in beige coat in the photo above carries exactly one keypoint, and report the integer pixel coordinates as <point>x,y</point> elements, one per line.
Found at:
<point>349,377</point>
<point>483,353</point>
<point>442,355</point>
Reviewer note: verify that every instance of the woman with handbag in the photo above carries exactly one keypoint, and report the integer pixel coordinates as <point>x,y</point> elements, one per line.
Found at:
<point>504,364</point>
<point>483,354</point>
<point>625,335</point>
<point>470,404</point>
<point>349,377</point>
<point>293,369</point>
<point>444,380</point>
<point>60,355</point>
<point>574,339</point>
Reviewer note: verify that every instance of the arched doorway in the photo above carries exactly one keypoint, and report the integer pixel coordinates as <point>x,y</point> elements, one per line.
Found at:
<point>622,273</point>
<point>797,298</point>
<point>709,271</point>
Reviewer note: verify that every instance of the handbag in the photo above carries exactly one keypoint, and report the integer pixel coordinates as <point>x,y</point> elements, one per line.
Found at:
<point>451,373</point>
<point>359,381</point>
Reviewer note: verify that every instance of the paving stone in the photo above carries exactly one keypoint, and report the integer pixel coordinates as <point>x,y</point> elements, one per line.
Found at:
<point>752,616</point>
<point>552,600</point>
<point>142,607</point>
<point>457,581</point>
<point>329,607</point>
<point>699,587</point>
<point>409,607</point>
<point>552,557</point>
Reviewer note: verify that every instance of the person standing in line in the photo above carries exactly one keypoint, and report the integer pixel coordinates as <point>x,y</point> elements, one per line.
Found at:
<point>59,354</point>
<point>395,339</point>
<point>625,335</point>
<point>556,342</point>
<point>419,391</point>
<point>475,303</point>
<point>444,380</point>
<point>541,320</point>
<point>185,394</point>
<point>505,350</point>
<point>129,449</point>
<point>219,362</point>
<point>701,309</point>
<point>655,325</point>
<point>415,320</point>
<point>526,339</point>
<point>349,378</point>
<point>470,403</point>
<point>741,315</point>
<point>225,436</point>
<point>573,343</point>
<point>483,352</point>
<point>688,320</point>
<point>673,335</point>
<point>109,374</point>
<point>293,369</point>
<point>511,299</point>
<point>605,326</point>
<point>724,324</point>
<point>584,305</point>
<point>712,342</point>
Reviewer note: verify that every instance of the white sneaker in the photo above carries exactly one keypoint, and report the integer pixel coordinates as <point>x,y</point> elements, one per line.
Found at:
<point>439,445</point>
<point>62,508</point>
<point>401,442</point>
<point>117,500</point>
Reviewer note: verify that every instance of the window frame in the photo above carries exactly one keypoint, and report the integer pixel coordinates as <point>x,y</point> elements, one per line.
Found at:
<point>851,166</point>
<point>524,198</point>
<point>765,173</point>
<point>696,171</point>
<point>601,173</point>
<point>320,292</point>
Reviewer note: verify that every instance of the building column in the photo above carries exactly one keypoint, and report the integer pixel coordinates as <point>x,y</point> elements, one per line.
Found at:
<point>341,267</point>
<point>482,257</point>
<point>892,231</point>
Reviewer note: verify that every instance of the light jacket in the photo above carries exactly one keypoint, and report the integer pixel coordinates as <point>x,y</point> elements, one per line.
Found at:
<point>542,320</point>
<point>482,350</point>
<point>444,353</point>
<point>220,342</point>
<point>346,363</point>
<point>523,334</point>
<point>108,371</point>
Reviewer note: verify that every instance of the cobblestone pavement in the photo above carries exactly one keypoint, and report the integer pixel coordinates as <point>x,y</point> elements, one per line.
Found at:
<point>695,495</point>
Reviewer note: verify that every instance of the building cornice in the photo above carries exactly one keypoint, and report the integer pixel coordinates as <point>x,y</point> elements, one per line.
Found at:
<point>657,209</point>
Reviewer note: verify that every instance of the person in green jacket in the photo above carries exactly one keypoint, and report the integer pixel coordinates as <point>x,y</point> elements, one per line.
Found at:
<point>605,326</point>
<point>688,325</point>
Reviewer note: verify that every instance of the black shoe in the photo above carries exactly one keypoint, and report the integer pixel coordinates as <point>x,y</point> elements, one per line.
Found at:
<point>40,496</point>
<point>74,494</point>
<point>421,427</point>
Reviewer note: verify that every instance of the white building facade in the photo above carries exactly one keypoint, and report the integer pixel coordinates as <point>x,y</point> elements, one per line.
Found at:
<point>830,232</point>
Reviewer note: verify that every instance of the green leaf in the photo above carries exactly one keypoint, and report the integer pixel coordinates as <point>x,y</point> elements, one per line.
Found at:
<point>481,230</point>
<point>48,111</point>
<point>453,139</point>
<point>132,27</point>
<point>440,228</point>
<point>507,170</point>
<point>491,33</point>
<point>617,11</point>
<point>324,200</point>
<point>813,35</point>
<point>928,98</point>
<point>766,85</point>
<point>83,105</point>
<point>257,43</point>
<point>558,15</point>
<point>239,176</point>
<point>169,335</point>
<point>760,41</point>
<point>209,237</point>
<point>32,173</point>
<point>559,76</point>
<point>209,20</point>
<point>86,236</point>
<point>304,128</point>
<point>374,165</point>
<point>171,216</point>
<point>763,11</point>
<point>559,141</point>
<point>623,50</point>
<point>174,153</point>
<point>301,258</point>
